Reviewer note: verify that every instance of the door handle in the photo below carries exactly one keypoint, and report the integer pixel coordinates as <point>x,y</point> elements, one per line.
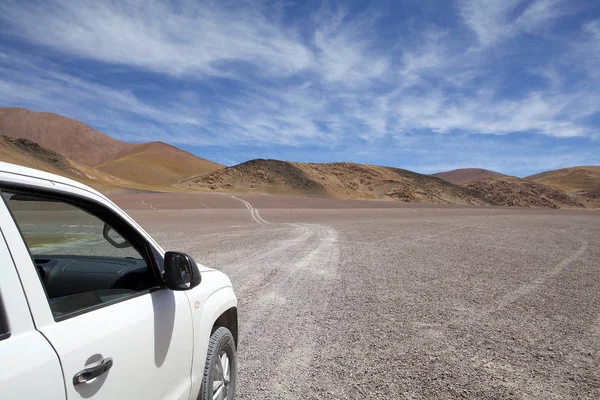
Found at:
<point>93,372</point>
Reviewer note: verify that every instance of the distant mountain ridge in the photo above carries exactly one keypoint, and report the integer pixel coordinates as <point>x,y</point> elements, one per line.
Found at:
<point>63,146</point>
<point>336,180</point>
<point>462,175</point>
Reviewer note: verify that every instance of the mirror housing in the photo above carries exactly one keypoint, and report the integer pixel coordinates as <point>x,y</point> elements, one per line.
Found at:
<point>106,233</point>
<point>181,271</point>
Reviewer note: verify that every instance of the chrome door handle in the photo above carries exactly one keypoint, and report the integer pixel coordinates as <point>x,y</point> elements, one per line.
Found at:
<point>93,372</point>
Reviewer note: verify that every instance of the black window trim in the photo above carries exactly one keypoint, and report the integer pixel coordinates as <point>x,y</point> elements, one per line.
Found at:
<point>110,303</point>
<point>151,255</point>
<point>4,328</point>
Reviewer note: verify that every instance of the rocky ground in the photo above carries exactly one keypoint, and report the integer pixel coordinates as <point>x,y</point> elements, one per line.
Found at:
<point>355,300</point>
<point>514,192</point>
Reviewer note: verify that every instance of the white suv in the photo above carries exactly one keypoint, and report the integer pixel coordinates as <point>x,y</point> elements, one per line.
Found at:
<point>92,307</point>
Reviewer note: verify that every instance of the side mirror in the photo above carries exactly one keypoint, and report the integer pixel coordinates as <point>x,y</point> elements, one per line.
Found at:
<point>181,271</point>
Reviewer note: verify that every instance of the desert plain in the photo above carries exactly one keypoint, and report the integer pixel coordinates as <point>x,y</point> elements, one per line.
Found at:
<point>342,299</point>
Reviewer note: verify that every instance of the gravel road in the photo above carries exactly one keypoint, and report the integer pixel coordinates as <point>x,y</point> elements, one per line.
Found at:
<point>355,300</point>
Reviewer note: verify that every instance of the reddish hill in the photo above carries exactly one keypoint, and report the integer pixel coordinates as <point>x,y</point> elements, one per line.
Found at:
<point>157,163</point>
<point>463,175</point>
<point>154,164</point>
<point>30,154</point>
<point>68,137</point>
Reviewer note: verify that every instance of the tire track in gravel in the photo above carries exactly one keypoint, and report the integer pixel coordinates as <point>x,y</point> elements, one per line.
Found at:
<point>279,333</point>
<point>527,288</point>
<point>283,288</point>
<point>250,270</point>
<point>253,211</point>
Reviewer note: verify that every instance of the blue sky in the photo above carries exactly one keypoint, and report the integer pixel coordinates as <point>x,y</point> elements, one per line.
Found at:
<point>510,85</point>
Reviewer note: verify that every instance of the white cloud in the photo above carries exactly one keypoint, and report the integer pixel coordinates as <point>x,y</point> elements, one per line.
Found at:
<point>495,20</point>
<point>182,39</point>
<point>344,53</point>
<point>587,49</point>
<point>327,82</point>
<point>548,114</point>
<point>48,87</point>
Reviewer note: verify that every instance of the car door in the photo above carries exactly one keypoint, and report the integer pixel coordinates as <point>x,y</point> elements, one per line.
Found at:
<point>95,293</point>
<point>25,355</point>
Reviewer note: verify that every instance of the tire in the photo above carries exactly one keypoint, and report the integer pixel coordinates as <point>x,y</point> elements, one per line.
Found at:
<point>221,350</point>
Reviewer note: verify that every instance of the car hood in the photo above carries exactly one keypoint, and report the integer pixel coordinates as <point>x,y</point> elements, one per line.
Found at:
<point>204,268</point>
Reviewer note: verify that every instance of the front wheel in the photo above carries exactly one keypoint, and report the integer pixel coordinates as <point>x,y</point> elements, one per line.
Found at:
<point>220,372</point>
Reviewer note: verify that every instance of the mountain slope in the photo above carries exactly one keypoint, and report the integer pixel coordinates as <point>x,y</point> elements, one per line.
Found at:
<point>152,165</point>
<point>157,163</point>
<point>515,192</point>
<point>269,176</point>
<point>30,154</point>
<point>337,180</point>
<point>458,176</point>
<point>68,137</point>
<point>570,180</point>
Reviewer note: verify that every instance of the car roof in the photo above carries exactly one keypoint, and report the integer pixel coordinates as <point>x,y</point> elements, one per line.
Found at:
<point>15,173</point>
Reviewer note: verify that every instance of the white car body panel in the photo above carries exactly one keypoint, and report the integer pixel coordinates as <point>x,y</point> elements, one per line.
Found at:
<point>29,366</point>
<point>158,340</point>
<point>149,339</point>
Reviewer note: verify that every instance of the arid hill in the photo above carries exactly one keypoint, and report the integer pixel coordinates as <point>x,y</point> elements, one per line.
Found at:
<point>268,176</point>
<point>336,180</point>
<point>593,194</point>
<point>154,165</point>
<point>571,180</point>
<point>515,192</point>
<point>157,163</point>
<point>458,176</point>
<point>30,154</point>
<point>68,137</point>
<point>61,145</point>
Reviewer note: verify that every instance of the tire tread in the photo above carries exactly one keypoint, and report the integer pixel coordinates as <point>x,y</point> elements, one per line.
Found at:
<point>216,339</point>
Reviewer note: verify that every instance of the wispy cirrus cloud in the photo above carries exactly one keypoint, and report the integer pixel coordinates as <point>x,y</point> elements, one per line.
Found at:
<point>309,77</point>
<point>182,38</point>
<point>494,21</point>
<point>29,81</point>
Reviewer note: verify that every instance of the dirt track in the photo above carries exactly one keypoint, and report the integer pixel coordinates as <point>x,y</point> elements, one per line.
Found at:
<point>355,300</point>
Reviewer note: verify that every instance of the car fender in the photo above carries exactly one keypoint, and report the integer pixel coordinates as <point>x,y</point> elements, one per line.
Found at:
<point>204,314</point>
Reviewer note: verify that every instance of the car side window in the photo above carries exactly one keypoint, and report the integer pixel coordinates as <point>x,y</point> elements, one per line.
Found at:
<point>82,261</point>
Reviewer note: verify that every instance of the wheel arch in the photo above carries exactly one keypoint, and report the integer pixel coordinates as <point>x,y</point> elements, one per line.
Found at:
<point>229,320</point>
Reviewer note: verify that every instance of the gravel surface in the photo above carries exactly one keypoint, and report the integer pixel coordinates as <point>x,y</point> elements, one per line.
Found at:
<point>383,302</point>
